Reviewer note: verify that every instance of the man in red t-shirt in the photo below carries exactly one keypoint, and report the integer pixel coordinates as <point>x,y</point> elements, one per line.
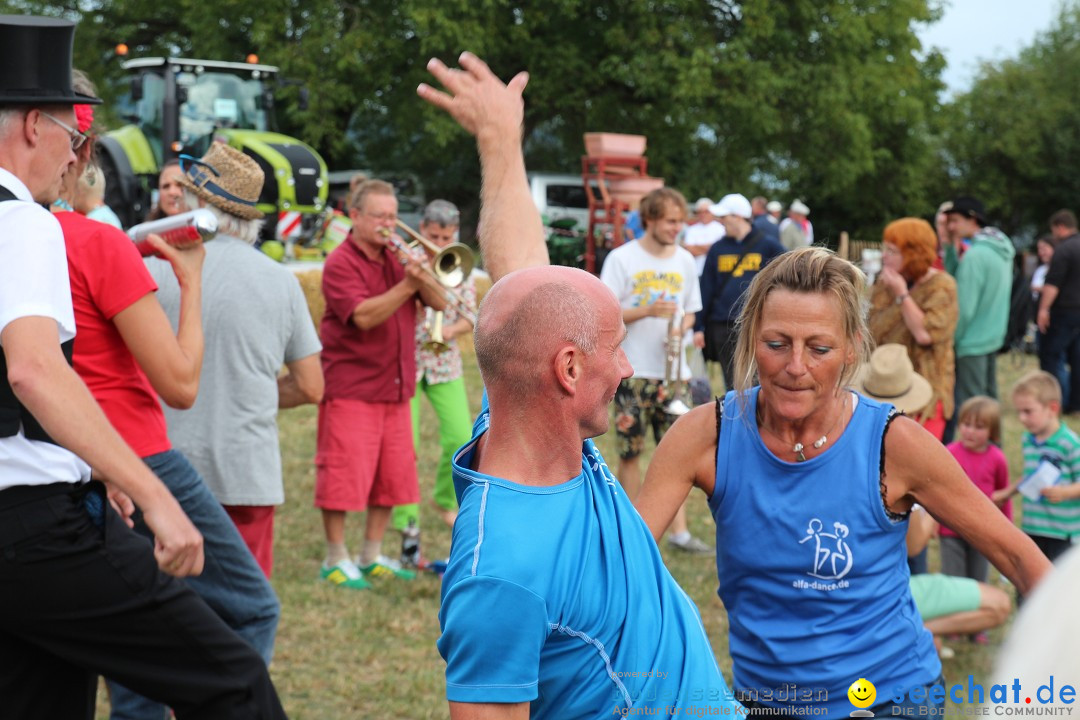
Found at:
<point>365,457</point>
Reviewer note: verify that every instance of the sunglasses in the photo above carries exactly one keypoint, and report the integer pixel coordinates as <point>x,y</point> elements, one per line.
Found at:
<point>77,138</point>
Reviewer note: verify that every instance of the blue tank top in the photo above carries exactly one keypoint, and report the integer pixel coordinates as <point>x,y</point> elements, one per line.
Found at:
<point>812,571</point>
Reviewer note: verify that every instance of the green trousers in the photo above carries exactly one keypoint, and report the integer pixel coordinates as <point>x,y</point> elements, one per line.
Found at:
<point>451,406</point>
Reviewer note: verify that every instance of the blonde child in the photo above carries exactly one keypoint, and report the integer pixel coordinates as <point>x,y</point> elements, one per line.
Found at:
<point>979,453</point>
<point>1053,520</point>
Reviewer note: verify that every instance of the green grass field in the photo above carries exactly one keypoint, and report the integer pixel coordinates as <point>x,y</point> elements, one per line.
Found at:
<point>345,654</point>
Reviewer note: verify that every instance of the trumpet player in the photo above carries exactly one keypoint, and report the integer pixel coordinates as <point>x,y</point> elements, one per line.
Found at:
<point>656,283</point>
<point>365,458</point>
<point>439,376</point>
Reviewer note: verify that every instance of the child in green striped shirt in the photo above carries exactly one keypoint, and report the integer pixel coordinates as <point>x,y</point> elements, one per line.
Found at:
<point>1052,520</point>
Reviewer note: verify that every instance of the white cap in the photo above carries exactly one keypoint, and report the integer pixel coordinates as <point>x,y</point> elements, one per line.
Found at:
<point>774,206</point>
<point>734,204</point>
<point>799,207</point>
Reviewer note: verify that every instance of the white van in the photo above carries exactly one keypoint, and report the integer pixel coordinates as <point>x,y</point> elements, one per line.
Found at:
<point>560,196</point>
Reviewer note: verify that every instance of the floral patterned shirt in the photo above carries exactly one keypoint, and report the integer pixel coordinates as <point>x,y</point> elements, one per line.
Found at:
<point>444,368</point>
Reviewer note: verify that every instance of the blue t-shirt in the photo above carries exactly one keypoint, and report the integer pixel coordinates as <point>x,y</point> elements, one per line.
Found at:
<point>812,571</point>
<point>558,596</point>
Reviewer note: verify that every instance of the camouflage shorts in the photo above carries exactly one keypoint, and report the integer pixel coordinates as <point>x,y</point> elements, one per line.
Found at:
<point>640,402</point>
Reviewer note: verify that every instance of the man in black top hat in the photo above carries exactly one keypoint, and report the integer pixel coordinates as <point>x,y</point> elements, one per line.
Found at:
<point>80,594</point>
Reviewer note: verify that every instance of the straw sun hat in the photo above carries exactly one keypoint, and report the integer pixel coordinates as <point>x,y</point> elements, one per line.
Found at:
<point>225,178</point>
<point>890,377</point>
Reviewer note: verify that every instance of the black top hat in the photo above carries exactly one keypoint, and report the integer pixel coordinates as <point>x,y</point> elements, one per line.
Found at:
<point>968,207</point>
<point>35,62</point>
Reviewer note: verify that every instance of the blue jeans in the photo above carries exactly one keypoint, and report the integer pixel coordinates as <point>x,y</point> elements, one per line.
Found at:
<point>231,582</point>
<point>1060,347</point>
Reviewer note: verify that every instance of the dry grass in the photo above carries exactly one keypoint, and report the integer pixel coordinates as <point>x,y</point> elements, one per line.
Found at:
<point>372,654</point>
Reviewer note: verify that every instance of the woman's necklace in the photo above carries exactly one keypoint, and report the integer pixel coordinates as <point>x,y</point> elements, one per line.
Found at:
<point>798,447</point>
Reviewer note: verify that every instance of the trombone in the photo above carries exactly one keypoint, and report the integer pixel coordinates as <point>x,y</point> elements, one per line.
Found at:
<point>463,267</point>
<point>451,264</point>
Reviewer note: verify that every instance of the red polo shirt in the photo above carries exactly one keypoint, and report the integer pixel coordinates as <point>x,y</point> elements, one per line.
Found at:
<point>376,365</point>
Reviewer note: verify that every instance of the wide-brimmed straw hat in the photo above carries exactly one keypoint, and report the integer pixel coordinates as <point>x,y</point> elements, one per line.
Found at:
<point>225,178</point>
<point>890,377</point>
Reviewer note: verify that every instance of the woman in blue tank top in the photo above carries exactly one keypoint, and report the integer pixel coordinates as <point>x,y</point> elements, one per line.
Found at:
<point>810,485</point>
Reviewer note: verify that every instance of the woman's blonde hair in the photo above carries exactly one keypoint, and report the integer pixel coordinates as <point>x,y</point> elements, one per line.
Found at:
<point>806,270</point>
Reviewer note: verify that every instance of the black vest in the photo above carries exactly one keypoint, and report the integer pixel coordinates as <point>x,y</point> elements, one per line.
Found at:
<point>12,412</point>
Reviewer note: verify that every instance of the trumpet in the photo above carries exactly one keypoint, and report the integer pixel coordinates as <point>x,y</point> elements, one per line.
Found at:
<point>451,264</point>
<point>454,299</point>
<point>673,363</point>
<point>436,343</point>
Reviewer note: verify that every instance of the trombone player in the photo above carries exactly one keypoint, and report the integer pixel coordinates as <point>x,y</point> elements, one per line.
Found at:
<point>365,458</point>
<point>439,376</point>
<point>656,283</point>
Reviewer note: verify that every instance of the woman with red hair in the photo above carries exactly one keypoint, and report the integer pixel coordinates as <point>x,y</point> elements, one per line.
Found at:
<point>915,305</point>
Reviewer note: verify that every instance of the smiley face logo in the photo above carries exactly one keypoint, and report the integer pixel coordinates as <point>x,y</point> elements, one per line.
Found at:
<point>862,693</point>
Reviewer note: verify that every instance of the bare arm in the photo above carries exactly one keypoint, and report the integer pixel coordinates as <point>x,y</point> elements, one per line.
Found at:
<point>172,362</point>
<point>377,309</point>
<point>54,394</point>
<point>302,382</point>
<point>511,234</point>
<point>920,469</point>
<point>1046,301</point>
<point>681,463</point>
<point>913,316</point>
<point>489,711</point>
<point>921,527</point>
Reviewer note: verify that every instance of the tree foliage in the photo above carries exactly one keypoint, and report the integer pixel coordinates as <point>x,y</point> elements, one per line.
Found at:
<point>1013,139</point>
<point>832,101</point>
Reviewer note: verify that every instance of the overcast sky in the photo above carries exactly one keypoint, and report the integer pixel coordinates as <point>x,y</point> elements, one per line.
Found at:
<point>974,30</point>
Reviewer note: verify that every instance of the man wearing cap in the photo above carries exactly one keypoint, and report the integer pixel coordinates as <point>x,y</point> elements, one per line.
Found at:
<point>80,593</point>
<point>796,230</point>
<point>774,208</point>
<point>983,289</point>
<point>729,267</point>
<point>762,220</point>
<point>699,237</point>
<point>656,284</point>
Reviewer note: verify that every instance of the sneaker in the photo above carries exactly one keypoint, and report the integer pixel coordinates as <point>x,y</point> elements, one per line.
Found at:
<point>384,567</point>
<point>345,574</point>
<point>691,545</point>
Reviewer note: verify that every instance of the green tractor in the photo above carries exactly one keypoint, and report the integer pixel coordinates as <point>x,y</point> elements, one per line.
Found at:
<point>179,106</point>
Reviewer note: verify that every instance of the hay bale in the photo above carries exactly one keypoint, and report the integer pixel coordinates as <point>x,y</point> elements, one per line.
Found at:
<point>311,283</point>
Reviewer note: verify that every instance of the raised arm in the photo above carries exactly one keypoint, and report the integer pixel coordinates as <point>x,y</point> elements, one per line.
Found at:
<point>172,362</point>
<point>511,233</point>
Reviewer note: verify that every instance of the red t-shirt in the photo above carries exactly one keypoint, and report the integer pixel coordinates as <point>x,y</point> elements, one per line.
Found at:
<point>989,471</point>
<point>376,365</point>
<point>107,276</point>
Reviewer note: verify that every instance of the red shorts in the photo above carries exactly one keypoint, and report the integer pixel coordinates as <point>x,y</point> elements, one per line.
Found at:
<point>256,526</point>
<point>365,456</point>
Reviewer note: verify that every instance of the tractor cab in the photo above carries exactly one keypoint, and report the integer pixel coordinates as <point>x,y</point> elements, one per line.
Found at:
<point>179,106</point>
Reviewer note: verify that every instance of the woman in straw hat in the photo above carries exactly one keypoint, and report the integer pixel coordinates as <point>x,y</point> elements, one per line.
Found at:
<point>810,485</point>
<point>914,305</point>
